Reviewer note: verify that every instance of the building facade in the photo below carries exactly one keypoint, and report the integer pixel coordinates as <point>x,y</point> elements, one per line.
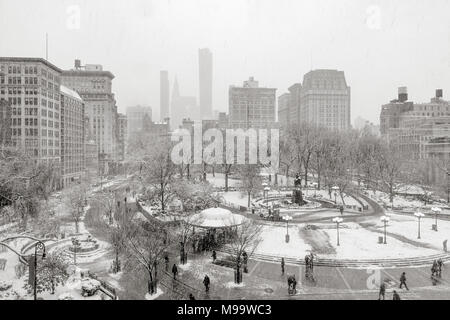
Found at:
<point>73,163</point>
<point>283,110</point>
<point>182,107</point>
<point>325,99</point>
<point>95,88</point>
<point>420,130</point>
<point>205,64</point>
<point>251,106</point>
<point>164,93</point>
<point>122,125</point>
<point>31,87</point>
<point>5,123</point>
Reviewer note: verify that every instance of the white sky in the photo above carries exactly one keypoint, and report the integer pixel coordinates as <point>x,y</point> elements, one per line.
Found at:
<point>276,41</point>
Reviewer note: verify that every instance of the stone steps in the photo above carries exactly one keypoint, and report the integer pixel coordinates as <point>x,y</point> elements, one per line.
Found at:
<point>348,263</point>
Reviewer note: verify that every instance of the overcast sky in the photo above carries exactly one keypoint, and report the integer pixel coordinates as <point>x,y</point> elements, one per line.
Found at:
<point>380,45</point>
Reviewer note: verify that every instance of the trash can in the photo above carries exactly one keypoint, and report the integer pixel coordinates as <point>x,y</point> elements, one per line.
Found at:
<point>434,227</point>
<point>380,239</point>
<point>287,238</point>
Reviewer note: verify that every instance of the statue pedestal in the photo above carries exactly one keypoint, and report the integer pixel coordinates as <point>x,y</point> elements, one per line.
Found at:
<point>297,196</point>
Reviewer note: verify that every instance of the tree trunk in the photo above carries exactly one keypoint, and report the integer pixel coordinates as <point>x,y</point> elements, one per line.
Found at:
<point>163,207</point>
<point>226,181</point>
<point>152,287</point>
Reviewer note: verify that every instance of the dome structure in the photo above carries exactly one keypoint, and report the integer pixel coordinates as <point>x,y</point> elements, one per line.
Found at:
<point>216,218</point>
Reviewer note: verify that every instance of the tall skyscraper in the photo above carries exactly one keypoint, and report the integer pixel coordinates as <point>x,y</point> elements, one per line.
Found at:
<point>205,65</point>
<point>94,85</point>
<point>251,106</point>
<point>182,107</point>
<point>164,95</point>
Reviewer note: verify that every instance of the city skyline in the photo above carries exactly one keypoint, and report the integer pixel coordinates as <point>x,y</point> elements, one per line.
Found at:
<point>374,43</point>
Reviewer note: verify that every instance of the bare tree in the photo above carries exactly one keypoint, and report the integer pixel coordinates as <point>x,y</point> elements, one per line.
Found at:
<point>146,244</point>
<point>75,198</point>
<point>243,243</point>
<point>250,180</point>
<point>390,170</point>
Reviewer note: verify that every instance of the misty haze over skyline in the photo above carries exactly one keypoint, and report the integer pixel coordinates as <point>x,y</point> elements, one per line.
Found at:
<point>276,42</point>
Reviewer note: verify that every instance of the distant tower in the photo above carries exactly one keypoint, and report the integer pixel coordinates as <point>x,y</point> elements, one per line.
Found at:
<point>205,64</point>
<point>164,95</point>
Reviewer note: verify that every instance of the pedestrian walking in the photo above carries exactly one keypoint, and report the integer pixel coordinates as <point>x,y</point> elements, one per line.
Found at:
<point>434,268</point>
<point>214,256</point>
<point>166,261</point>
<point>282,266</point>
<point>434,280</point>
<point>294,285</point>
<point>439,266</point>
<point>311,261</point>
<point>403,281</point>
<point>382,291</point>
<point>191,296</point>
<point>174,271</point>
<point>341,209</point>
<point>444,244</point>
<point>206,282</point>
<point>395,296</point>
<point>244,261</point>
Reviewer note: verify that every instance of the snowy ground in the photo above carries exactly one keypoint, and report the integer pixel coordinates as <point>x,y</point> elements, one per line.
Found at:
<point>407,226</point>
<point>356,242</point>
<point>219,180</point>
<point>273,242</point>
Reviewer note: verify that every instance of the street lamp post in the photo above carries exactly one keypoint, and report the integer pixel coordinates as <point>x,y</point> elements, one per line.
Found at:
<point>385,220</point>
<point>419,215</point>
<point>436,211</point>
<point>38,246</point>
<point>287,219</point>
<point>337,220</point>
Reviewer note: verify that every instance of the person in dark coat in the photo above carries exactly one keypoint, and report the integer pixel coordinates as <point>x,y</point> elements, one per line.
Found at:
<point>191,296</point>
<point>395,296</point>
<point>166,261</point>
<point>382,290</point>
<point>206,282</point>
<point>439,267</point>
<point>174,271</point>
<point>341,209</point>
<point>282,266</point>
<point>403,281</point>
<point>244,261</point>
<point>214,256</point>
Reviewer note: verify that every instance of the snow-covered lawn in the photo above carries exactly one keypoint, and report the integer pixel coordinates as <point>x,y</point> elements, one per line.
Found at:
<point>273,242</point>
<point>407,226</point>
<point>359,243</point>
<point>235,197</point>
<point>356,242</point>
<point>219,180</point>
<point>399,201</point>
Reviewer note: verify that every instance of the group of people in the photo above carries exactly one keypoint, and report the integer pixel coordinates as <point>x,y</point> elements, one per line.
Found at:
<point>436,270</point>
<point>292,285</point>
<point>309,267</point>
<point>395,295</point>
